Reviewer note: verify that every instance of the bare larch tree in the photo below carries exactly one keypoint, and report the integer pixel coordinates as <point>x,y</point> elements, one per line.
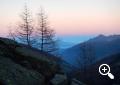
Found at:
<point>46,35</point>
<point>12,35</point>
<point>25,29</point>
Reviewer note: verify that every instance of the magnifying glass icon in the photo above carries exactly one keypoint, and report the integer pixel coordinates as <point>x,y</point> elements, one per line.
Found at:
<point>104,69</point>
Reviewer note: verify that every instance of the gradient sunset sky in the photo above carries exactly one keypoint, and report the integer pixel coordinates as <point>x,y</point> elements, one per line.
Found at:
<point>67,17</point>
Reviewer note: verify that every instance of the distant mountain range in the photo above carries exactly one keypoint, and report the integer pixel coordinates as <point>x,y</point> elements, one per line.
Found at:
<point>101,45</point>
<point>65,45</point>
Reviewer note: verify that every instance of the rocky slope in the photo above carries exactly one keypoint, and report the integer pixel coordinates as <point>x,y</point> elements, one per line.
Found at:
<point>23,65</point>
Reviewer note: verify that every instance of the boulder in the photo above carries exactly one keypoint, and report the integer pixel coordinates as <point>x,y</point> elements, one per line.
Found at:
<point>76,82</point>
<point>59,79</point>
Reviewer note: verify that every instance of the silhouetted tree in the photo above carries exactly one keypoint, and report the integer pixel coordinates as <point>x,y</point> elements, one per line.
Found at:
<point>25,29</point>
<point>12,35</point>
<point>86,59</point>
<point>87,54</point>
<point>46,35</point>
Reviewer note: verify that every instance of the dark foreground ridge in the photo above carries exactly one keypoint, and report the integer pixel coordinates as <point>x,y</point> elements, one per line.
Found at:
<point>93,77</point>
<point>23,65</point>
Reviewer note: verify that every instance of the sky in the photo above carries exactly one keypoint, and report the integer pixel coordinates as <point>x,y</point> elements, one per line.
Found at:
<point>66,17</point>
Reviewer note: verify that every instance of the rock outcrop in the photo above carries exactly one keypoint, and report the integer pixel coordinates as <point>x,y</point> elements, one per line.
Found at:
<point>59,80</point>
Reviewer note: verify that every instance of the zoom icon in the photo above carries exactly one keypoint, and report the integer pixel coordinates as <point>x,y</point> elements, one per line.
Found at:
<point>104,69</point>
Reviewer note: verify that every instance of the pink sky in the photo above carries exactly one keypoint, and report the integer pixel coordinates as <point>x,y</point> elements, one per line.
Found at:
<point>67,17</point>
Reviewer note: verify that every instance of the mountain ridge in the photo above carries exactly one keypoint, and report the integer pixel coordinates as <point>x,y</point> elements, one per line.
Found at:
<point>103,46</point>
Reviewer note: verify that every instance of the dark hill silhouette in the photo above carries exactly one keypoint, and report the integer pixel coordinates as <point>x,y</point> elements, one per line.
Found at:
<point>24,65</point>
<point>95,78</point>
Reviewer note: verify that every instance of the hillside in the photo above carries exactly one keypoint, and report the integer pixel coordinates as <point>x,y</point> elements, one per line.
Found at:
<point>23,65</point>
<point>101,46</point>
<point>93,77</point>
